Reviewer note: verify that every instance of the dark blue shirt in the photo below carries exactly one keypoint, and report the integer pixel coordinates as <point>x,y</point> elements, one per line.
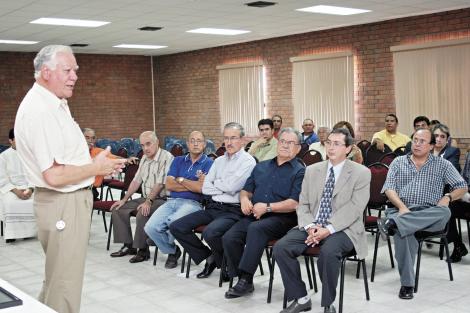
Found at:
<point>182,166</point>
<point>310,139</point>
<point>270,182</point>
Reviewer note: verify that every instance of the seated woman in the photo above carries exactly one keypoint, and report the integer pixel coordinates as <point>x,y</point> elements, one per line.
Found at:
<point>355,154</point>
<point>443,149</point>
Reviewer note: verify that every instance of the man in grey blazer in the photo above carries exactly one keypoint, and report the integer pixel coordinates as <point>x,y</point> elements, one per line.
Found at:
<point>330,214</point>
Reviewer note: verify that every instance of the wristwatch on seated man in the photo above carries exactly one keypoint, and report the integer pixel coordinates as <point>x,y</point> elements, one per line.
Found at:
<point>180,180</point>
<point>448,196</point>
<point>268,208</point>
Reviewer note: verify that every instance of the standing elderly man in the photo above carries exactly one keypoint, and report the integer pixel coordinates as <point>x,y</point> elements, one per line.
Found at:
<point>150,177</point>
<point>184,181</point>
<point>223,183</point>
<point>265,148</point>
<point>415,186</point>
<point>330,214</point>
<point>55,155</point>
<point>308,135</point>
<point>16,204</point>
<point>268,200</point>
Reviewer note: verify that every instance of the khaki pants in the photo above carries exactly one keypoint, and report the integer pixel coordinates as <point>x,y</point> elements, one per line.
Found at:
<point>65,249</point>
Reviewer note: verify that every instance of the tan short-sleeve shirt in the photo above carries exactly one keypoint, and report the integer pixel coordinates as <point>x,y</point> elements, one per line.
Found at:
<point>154,171</point>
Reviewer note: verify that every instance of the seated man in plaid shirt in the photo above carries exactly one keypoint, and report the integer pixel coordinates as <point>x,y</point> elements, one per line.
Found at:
<point>415,186</point>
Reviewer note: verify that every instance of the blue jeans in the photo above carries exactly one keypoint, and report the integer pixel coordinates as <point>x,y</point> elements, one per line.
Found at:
<point>157,227</point>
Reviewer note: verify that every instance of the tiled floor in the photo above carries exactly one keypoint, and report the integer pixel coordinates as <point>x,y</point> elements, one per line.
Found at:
<point>115,285</point>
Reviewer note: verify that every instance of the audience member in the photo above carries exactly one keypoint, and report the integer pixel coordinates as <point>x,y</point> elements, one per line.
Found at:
<point>16,204</point>
<point>415,184</point>
<point>150,177</point>
<point>277,123</point>
<point>268,201</point>
<point>223,183</point>
<point>265,148</point>
<point>54,154</point>
<point>418,122</point>
<point>442,148</point>
<point>184,182</point>
<point>330,214</point>
<point>319,146</point>
<point>308,135</point>
<point>450,141</point>
<point>390,136</point>
<point>356,153</point>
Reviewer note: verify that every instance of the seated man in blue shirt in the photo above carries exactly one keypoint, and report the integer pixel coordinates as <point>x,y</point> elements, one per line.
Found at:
<point>415,186</point>
<point>268,201</point>
<point>184,181</point>
<point>223,183</point>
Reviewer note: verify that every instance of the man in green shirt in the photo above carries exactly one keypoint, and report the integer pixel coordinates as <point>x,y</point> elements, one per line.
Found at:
<point>265,148</point>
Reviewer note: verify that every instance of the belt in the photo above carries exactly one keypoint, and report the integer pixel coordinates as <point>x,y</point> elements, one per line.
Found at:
<point>225,203</point>
<point>90,187</point>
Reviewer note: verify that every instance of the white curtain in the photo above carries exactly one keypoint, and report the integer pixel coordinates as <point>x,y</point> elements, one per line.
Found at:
<point>433,81</point>
<point>323,89</point>
<point>241,95</point>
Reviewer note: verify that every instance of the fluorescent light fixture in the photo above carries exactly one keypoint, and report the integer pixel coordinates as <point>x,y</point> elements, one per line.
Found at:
<point>18,42</point>
<point>329,9</point>
<point>130,46</point>
<point>218,31</point>
<point>68,22</point>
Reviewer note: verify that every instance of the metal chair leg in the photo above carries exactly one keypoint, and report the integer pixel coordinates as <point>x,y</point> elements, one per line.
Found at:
<point>271,278</point>
<point>390,252</point>
<point>309,275</point>
<point>341,285</point>
<point>364,275</point>
<point>110,230</point>
<point>418,263</point>
<point>449,263</point>
<point>104,222</point>
<point>374,259</point>
<point>155,256</point>
<point>183,262</point>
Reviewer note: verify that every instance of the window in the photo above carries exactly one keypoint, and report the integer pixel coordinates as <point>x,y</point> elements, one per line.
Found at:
<point>323,89</point>
<point>241,95</point>
<point>433,79</point>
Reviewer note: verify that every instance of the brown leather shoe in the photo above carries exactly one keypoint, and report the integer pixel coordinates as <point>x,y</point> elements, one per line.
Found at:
<point>142,255</point>
<point>125,250</point>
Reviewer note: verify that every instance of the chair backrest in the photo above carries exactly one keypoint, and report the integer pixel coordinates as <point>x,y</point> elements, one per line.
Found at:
<point>378,173</point>
<point>303,148</point>
<point>400,150</point>
<point>210,147</point>
<point>131,170</point>
<point>213,156</point>
<point>177,150</point>
<point>374,155</point>
<point>3,148</point>
<point>311,157</point>
<point>388,158</point>
<point>363,145</point>
<point>122,152</point>
<point>220,151</point>
<point>140,154</point>
<point>248,145</point>
<point>168,142</point>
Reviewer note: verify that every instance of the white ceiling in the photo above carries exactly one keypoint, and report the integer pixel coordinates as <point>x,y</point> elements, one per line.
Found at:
<point>178,16</point>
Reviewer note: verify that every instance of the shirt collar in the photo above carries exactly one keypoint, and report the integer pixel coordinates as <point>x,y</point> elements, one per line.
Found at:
<point>52,99</point>
<point>235,155</point>
<point>201,158</point>
<point>337,168</point>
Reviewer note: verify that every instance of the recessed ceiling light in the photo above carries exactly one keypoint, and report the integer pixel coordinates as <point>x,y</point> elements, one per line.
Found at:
<point>68,22</point>
<point>218,31</point>
<point>131,46</point>
<point>18,42</point>
<point>329,9</point>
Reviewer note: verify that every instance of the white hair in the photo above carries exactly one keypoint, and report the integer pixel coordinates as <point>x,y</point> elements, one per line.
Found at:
<point>47,56</point>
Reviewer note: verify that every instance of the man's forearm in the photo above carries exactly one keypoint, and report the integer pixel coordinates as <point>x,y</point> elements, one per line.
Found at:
<point>61,175</point>
<point>155,191</point>
<point>133,187</point>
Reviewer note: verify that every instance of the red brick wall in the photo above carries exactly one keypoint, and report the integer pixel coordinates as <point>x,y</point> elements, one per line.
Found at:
<point>113,94</point>
<point>187,89</point>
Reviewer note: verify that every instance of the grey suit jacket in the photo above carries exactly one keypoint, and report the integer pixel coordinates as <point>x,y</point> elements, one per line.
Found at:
<point>350,197</point>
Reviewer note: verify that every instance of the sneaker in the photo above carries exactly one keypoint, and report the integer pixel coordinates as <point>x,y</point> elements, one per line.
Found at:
<point>172,260</point>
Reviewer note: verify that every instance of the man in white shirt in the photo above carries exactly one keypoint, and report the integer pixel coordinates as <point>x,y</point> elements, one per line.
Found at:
<point>319,146</point>
<point>55,155</point>
<point>16,204</point>
<point>223,183</point>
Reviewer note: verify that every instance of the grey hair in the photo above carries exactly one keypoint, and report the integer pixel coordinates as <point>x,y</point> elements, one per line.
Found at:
<point>443,128</point>
<point>151,133</point>
<point>47,56</point>
<point>236,125</point>
<point>291,130</point>
<point>325,128</point>
<point>88,130</point>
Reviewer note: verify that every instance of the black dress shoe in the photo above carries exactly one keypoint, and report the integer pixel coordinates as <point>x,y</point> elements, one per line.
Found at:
<point>207,271</point>
<point>329,309</point>
<point>406,292</point>
<point>142,255</point>
<point>172,260</point>
<point>242,288</point>
<point>125,250</point>
<point>459,251</point>
<point>386,228</point>
<point>296,307</point>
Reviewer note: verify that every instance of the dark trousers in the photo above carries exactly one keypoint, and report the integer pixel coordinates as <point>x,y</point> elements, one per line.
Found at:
<point>458,209</point>
<point>245,241</point>
<point>218,218</point>
<point>291,246</point>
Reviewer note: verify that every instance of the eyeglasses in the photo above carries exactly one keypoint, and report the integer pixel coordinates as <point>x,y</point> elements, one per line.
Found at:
<point>334,144</point>
<point>288,143</point>
<point>420,142</point>
<point>231,139</point>
<point>196,141</point>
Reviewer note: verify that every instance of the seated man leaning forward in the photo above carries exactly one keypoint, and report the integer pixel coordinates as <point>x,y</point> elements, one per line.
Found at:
<point>268,199</point>
<point>184,182</point>
<point>150,177</point>
<point>415,186</point>
<point>224,181</point>
<point>330,214</point>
